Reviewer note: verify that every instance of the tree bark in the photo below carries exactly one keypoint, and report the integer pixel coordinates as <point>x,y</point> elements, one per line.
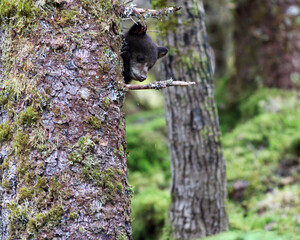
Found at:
<point>62,127</point>
<point>198,185</point>
<point>220,32</point>
<point>267,44</point>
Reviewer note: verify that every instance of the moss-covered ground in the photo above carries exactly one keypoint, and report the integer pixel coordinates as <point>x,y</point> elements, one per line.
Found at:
<point>261,142</point>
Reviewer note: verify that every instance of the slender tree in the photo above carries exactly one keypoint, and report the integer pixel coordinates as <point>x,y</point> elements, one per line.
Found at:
<point>198,185</point>
<point>267,48</point>
<point>62,128</point>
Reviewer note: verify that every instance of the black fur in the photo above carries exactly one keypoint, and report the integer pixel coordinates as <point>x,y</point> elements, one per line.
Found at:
<point>139,53</point>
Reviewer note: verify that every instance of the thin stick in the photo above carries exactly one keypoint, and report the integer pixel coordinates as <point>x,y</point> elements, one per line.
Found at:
<point>127,11</point>
<point>154,12</point>
<point>159,85</point>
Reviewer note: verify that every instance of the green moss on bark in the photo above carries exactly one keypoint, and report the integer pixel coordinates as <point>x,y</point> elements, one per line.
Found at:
<point>17,9</point>
<point>5,131</point>
<point>41,184</point>
<point>95,122</point>
<point>19,217</point>
<point>40,199</point>
<point>20,142</point>
<point>29,116</point>
<point>106,102</point>
<point>73,215</point>
<point>6,183</point>
<point>40,220</point>
<point>168,24</point>
<point>24,193</point>
<point>67,17</point>
<point>108,179</point>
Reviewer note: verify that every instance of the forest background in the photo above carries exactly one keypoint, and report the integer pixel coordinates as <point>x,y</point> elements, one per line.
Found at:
<point>260,135</point>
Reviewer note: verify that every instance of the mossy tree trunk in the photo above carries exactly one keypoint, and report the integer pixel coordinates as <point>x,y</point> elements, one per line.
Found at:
<point>198,169</point>
<point>62,132</point>
<point>267,48</point>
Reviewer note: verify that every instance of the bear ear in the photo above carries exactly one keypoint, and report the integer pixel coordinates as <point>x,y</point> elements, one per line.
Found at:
<point>162,51</point>
<point>138,29</point>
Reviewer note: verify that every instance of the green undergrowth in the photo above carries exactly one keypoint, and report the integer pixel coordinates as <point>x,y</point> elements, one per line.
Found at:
<point>147,143</point>
<point>251,235</point>
<point>260,144</point>
<point>267,100</point>
<point>270,216</point>
<point>262,152</point>
<point>274,212</point>
<point>149,210</point>
<point>229,115</point>
<point>149,172</point>
<point>257,147</point>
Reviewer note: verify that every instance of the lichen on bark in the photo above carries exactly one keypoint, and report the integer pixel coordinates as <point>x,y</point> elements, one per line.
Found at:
<point>61,120</point>
<point>198,187</point>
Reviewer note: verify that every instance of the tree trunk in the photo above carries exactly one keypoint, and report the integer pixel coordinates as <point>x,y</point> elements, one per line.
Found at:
<point>62,131</point>
<point>198,169</point>
<point>220,28</point>
<point>267,43</point>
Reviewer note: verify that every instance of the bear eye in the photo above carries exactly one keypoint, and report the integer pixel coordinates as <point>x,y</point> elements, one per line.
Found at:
<point>140,59</point>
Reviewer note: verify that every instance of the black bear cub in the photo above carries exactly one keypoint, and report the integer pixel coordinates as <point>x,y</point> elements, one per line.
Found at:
<point>139,53</point>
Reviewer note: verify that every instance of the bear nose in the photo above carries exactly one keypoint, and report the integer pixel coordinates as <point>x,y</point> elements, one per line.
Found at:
<point>143,77</point>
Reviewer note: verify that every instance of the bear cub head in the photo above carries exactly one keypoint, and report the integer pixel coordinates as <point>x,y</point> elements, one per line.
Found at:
<point>139,53</point>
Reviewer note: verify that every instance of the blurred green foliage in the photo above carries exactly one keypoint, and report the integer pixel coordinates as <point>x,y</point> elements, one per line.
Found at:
<point>252,235</point>
<point>262,150</point>
<point>149,210</point>
<point>149,172</point>
<point>147,143</point>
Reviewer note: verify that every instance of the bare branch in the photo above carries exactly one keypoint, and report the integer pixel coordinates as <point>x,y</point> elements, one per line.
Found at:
<point>127,11</point>
<point>158,85</point>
